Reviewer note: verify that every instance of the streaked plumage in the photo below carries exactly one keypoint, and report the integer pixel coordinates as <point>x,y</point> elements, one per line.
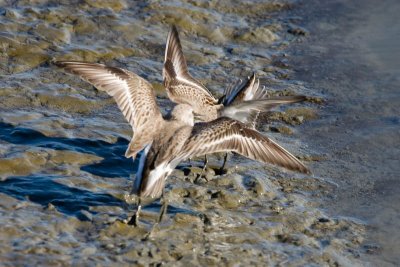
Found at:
<point>181,87</point>
<point>245,100</point>
<point>243,91</point>
<point>246,90</point>
<point>225,134</point>
<point>169,141</point>
<point>133,94</point>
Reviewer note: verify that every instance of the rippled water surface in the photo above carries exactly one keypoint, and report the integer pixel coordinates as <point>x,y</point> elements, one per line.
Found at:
<point>64,177</point>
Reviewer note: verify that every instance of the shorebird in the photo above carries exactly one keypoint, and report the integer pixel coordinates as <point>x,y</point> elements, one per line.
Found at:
<point>167,141</point>
<point>242,102</point>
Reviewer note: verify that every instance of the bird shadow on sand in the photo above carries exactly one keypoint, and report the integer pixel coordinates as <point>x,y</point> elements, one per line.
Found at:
<point>114,163</point>
<point>42,189</point>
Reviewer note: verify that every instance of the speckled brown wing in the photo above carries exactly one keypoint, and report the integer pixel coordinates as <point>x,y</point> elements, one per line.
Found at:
<point>134,96</point>
<point>180,85</point>
<point>225,134</point>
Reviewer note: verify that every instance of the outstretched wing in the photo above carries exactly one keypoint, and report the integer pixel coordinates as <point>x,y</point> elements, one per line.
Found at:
<point>133,94</point>
<point>180,85</point>
<point>248,111</point>
<point>224,134</point>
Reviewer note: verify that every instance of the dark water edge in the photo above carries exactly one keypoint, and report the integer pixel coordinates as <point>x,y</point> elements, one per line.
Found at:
<point>353,56</point>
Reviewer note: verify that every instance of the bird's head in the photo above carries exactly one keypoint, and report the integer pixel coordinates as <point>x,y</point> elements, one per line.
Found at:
<point>184,113</point>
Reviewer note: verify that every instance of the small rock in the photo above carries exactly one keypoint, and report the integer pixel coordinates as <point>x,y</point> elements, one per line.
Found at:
<point>181,218</point>
<point>50,207</point>
<point>298,31</point>
<point>26,57</point>
<point>281,129</point>
<point>109,246</point>
<point>115,5</point>
<point>258,35</point>
<point>276,208</point>
<point>89,251</point>
<point>323,220</point>
<point>52,34</point>
<point>227,200</point>
<point>84,215</point>
<point>299,119</point>
<point>12,14</point>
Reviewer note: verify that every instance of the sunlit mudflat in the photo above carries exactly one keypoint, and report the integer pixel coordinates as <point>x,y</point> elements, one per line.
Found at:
<point>64,177</point>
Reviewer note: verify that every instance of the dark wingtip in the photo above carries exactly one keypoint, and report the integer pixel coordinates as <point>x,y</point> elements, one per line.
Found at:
<point>221,99</point>
<point>306,170</point>
<point>173,31</point>
<point>302,168</point>
<point>299,167</point>
<point>300,98</point>
<point>57,63</point>
<point>64,64</point>
<point>292,99</point>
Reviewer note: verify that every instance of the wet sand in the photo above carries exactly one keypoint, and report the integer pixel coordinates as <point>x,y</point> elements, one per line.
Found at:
<point>64,179</point>
<point>353,57</point>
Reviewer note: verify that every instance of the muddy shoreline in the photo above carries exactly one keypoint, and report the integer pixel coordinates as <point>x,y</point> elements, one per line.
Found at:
<point>64,179</point>
<point>352,57</point>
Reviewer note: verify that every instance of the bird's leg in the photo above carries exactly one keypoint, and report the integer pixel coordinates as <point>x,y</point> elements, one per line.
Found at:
<point>135,218</point>
<point>205,162</point>
<point>164,206</point>
<point>204,168</point>
<point>223,164</point>
<point>163,210</point>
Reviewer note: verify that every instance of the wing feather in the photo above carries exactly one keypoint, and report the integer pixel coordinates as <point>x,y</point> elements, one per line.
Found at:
<point>180,85</point>
<point>225,134</point>
<point>246,90</point>
<point>134,95</point>
<point>247,111</point>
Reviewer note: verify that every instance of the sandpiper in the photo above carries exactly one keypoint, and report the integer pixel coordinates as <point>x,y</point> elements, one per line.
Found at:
<point>167,141</point>
<point>242,102</point>
<point>238,103</point>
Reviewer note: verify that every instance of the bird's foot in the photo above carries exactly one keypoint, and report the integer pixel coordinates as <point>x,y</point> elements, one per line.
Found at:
<point>199,176</point>
<point>134,221</point>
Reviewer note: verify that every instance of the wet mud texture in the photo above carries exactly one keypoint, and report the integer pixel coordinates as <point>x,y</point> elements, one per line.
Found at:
<point>353,56</point>
<point>64,179</point>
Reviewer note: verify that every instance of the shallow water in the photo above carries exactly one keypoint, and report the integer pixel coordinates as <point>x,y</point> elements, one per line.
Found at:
<point>64,179</point>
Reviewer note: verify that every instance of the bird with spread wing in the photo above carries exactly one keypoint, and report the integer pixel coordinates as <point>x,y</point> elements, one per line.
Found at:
<point>167,141</point>
<point>243,102</point>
